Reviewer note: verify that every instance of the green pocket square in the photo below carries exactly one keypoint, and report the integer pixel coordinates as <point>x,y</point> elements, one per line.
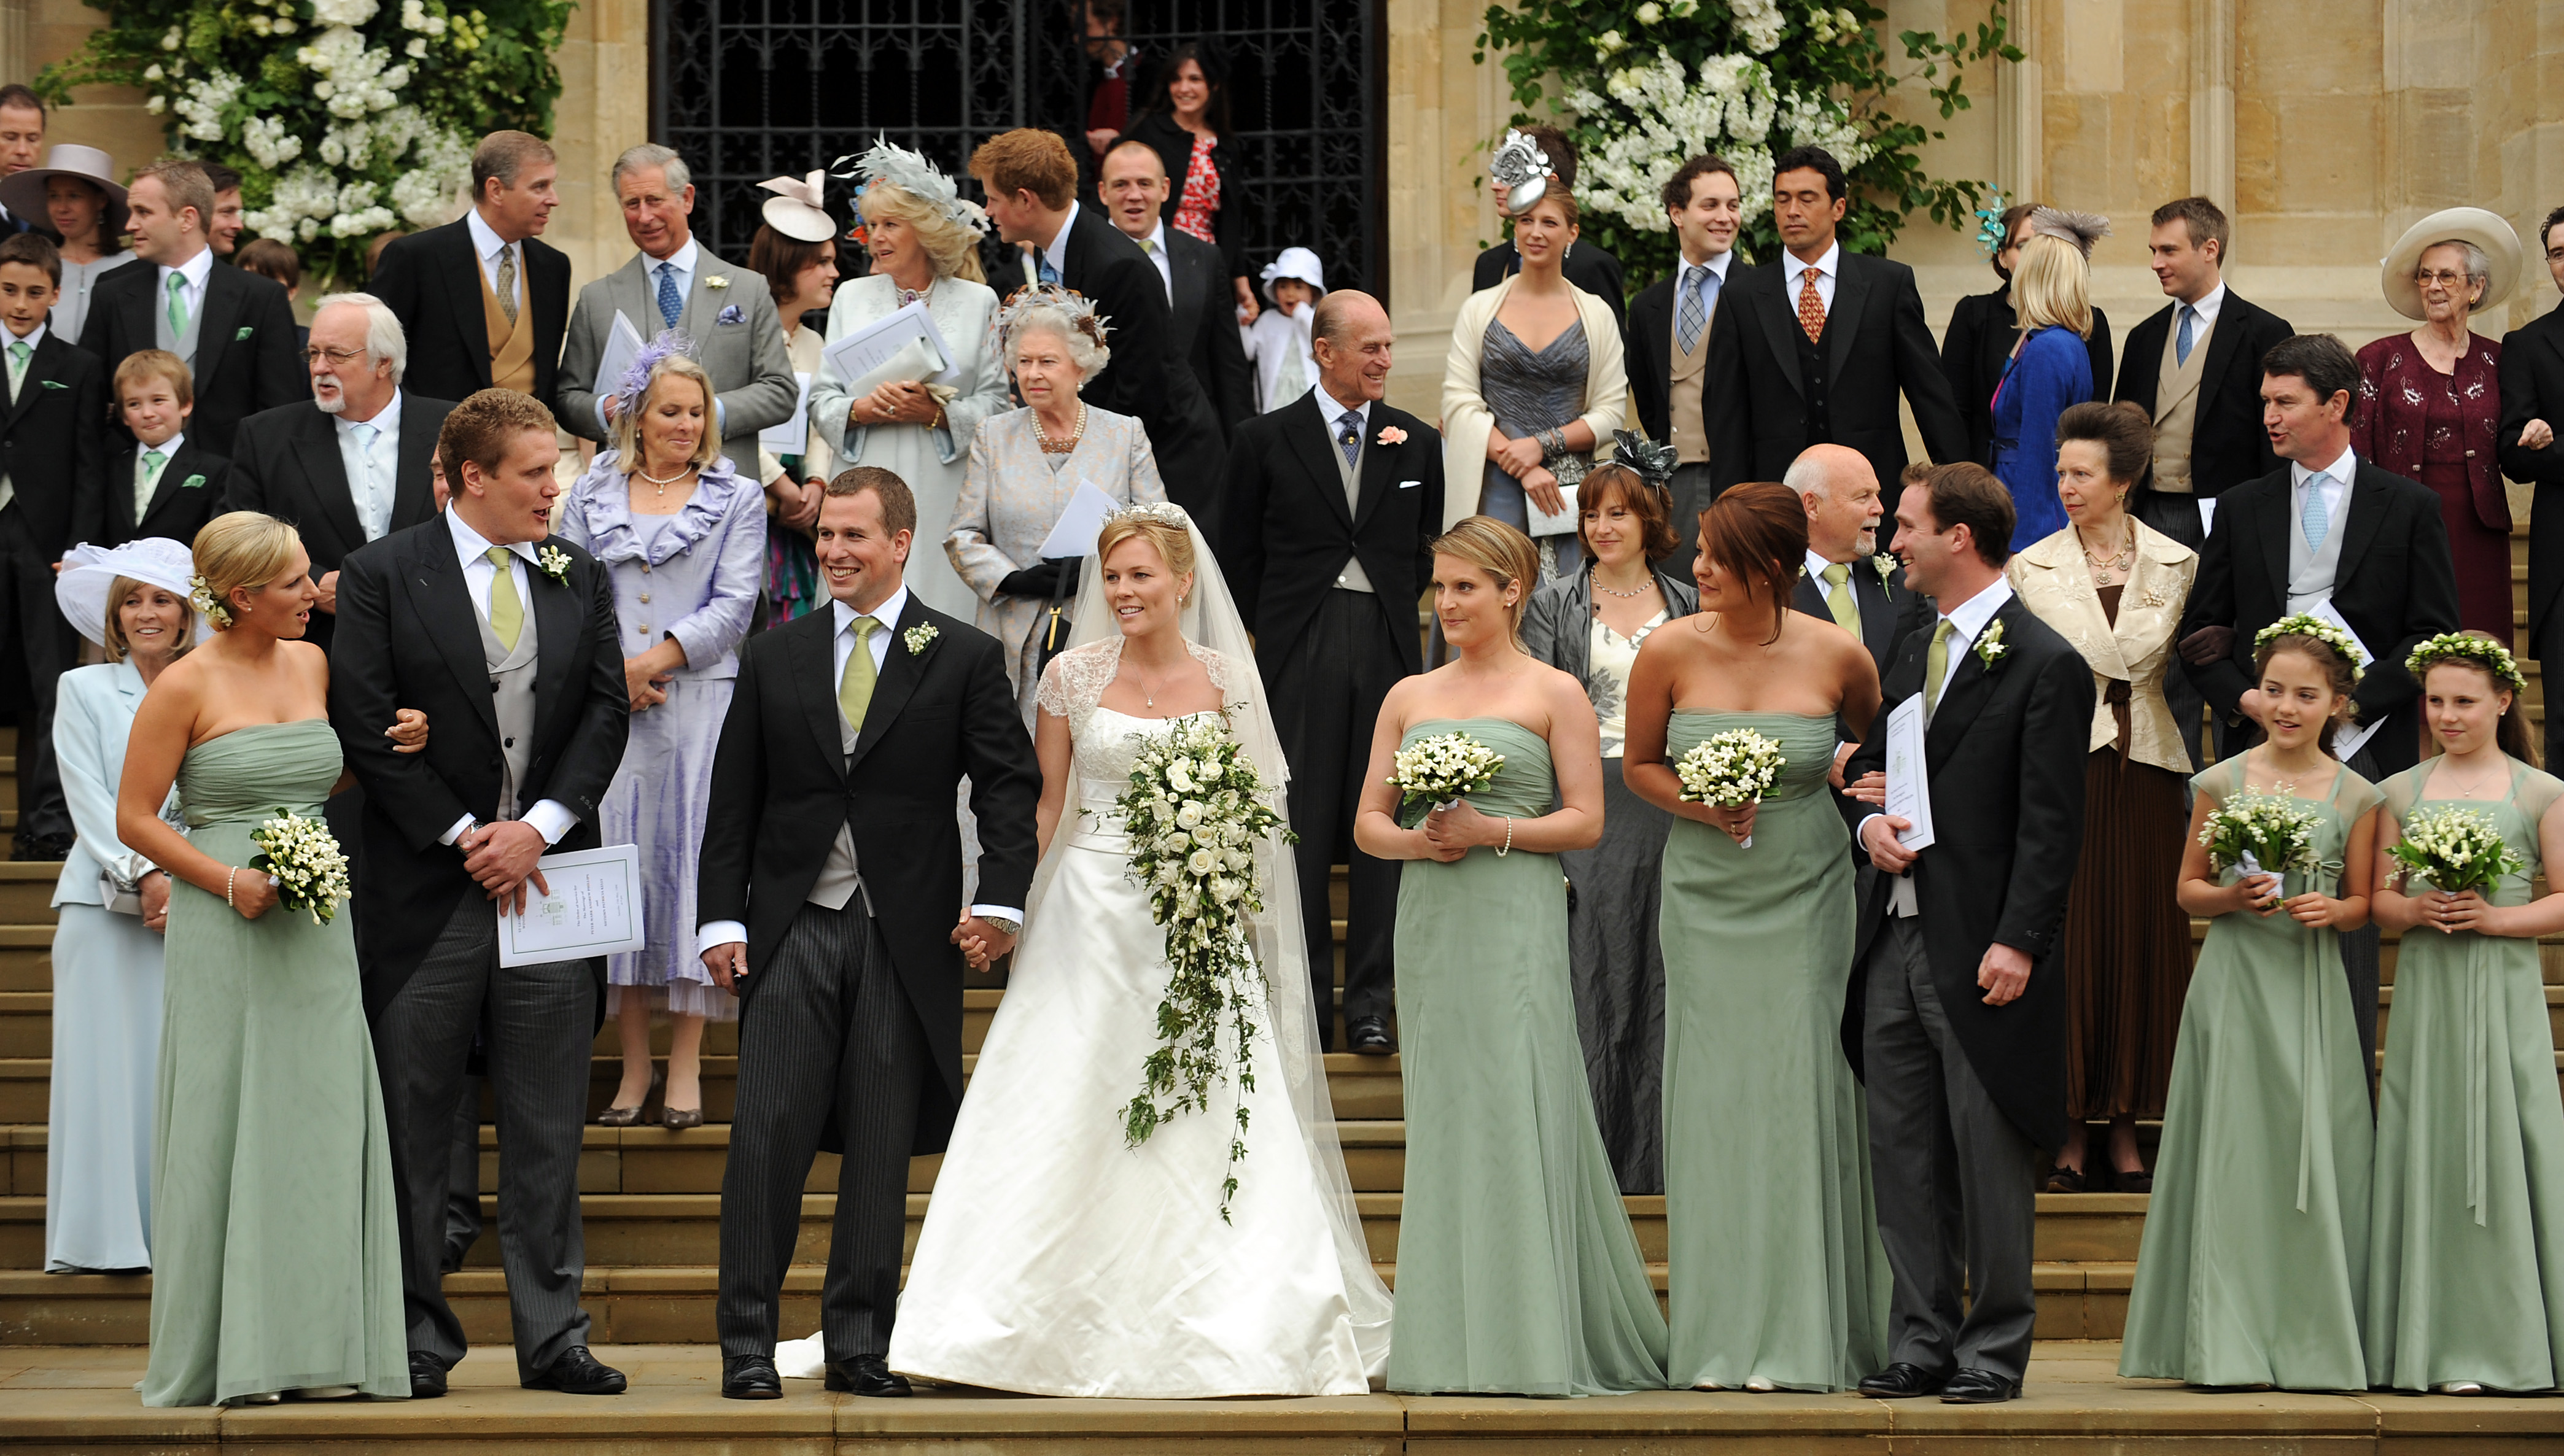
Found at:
<point>245,331</point>
<point>55,384</point>
<point>192,483</point>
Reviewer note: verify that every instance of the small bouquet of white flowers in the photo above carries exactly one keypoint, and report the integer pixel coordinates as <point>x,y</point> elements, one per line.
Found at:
<point>2456,850</point>
<point>1730,770</point>
<point>1435,773</point>
<point>303,857</point>
<point>2262,834</point>
<point>1195,810</point>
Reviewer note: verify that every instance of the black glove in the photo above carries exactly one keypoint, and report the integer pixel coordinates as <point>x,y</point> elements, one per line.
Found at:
<point>1055,579</point>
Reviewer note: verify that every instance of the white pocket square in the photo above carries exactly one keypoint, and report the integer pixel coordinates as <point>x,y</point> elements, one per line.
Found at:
<point>1408,484</point>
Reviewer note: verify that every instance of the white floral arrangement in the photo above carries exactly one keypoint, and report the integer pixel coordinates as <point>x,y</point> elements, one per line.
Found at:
<point>1195,810</point>
<point>1730,770</point>
<point>554,562</point>
<point>1437,771</point>
<point>2262,834</point>
<point>303,859</point>
<point>2455,849</point>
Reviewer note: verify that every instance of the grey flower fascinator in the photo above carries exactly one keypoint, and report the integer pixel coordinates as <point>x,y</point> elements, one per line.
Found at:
<point>1522,169</point>
<point>1652,462</point>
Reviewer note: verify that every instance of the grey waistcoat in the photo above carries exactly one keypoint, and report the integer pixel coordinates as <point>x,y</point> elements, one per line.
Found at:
<point>181,344</point>
<point>2311,569</point>
<point>1352,578</point>
<point>512,694</point>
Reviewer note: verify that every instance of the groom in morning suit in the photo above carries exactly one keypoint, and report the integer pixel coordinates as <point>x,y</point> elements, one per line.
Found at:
<point>1952,1021</point>
<point>1336,498</point>
<point>832,879</point>
<point>513,653</point>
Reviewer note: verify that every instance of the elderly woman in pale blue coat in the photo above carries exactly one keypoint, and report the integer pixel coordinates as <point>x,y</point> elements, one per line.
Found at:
<point>682,535</point>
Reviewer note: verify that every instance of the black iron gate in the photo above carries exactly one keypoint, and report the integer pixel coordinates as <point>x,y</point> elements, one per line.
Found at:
<point>748,90</point>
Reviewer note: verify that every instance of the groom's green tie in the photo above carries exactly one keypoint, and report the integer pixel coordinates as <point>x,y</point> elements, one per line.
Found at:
<point>1936,667</point>
<point>855,688</point>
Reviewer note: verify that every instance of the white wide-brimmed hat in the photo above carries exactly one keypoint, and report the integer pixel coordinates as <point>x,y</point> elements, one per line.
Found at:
<point>24,193</point>
<point>1299,265</point>
<point>90,572</point>
<point>2487,230</point>
<point>801,211</point>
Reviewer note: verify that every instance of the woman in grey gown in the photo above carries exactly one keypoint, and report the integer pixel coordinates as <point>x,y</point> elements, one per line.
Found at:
<point>1588,625</point>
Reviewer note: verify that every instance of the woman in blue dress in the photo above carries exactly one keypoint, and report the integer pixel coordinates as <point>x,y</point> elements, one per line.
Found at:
<point>2051,369</point>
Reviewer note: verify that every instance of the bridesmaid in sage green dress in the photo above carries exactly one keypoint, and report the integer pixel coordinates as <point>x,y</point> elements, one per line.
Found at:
<point>275,1259</point>
<point>1517,1270</point>
<point>2254,1271</point>
<point>1778,1278</point>
<point>2466,1253</point>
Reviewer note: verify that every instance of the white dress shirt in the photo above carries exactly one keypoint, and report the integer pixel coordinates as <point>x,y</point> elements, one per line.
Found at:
<point>369,449</point>
<point>841,647</point>
<point>2206,309</point>
<point>489,247</point>
<point>1335,413</point>
<point>1154,245</point>
<point>1718,263</point>
<point>550,818</point>
<point>1794,276</point>
<point>146,484</point>
<point>196,271</point>
<point>2337,477</point>
<point>1967,621</point>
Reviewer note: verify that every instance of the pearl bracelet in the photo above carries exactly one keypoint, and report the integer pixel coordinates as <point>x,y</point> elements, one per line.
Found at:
<point>1507,847</point>
<point>227,881</point>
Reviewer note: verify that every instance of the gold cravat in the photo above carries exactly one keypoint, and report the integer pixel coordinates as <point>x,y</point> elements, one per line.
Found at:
<point>855,688</point>
<point>1839,599</point>
<point>1936,668</point>
<point>507,611</point>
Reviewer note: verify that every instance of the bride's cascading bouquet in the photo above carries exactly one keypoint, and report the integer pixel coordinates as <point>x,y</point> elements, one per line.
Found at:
<point>1435,773</point>
<point>303,857</point>
<point>2262,834</point>
<point>1194,812</point>
<point>2455,849</point>
<point>1730,770</point>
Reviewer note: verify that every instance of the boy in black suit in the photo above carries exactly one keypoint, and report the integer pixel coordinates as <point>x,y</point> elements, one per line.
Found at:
<point>163,484</point>
<point>50,470</point>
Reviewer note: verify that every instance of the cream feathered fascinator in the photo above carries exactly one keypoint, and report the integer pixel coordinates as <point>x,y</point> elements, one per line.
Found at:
<point>2082,229</point>
<point>1522,169</point>
<point>801,210</point>
<point>891,166</point>
<point>1049,295</point>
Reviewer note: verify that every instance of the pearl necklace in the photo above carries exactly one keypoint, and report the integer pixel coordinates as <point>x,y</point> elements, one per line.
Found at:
<point>1060,447</point>
<point>664,485</point>
<point>1644,587</point>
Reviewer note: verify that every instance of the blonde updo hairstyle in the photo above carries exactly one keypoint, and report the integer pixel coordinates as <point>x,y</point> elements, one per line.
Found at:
<point>240,550</point>
<point>1500,550</point>
<point>950,246</point>
<point>1173,544</point>
<point>626,436</point>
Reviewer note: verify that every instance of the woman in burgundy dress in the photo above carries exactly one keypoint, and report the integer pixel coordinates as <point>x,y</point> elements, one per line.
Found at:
<point>2429,399</point>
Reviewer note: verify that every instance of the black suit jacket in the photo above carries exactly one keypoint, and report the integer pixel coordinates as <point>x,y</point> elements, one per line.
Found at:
<point>1146,376</point>
<point>287,463</point>
<point>53,446</point>
<point>1586,266</point>
<point>192,490</point>
<point>2396,586</point>
<point>2228,445</point>
<point>1205,323</point>
<point>2533,388</point>
<point>1876,346</point>
<point>2005,758</point>
<point>1975,350</point>
<point>247,356</point>
<point>408,637</point>
<point>782,785</point>
<point>1293,533</point>
<point>432,282</point>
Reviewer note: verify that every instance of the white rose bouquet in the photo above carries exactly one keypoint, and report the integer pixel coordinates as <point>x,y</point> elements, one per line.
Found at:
<point>1730,770</point>
<point>2262,834</point>
<point>1435,771</point>
<point>303,859</point>
<point>2456,850</point>
<point>1195,810</point>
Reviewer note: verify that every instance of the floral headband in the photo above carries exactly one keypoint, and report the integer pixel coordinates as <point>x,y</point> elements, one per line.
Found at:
<point>2307,624</point>
<point>1991,233</point>
<point>1522,169</point>
<point>201,596</point>
<point>636,380</point>
<point>1079,309</point>
<point>2482,652</point>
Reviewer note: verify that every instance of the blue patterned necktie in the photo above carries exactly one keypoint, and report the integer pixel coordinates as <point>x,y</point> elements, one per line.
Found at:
<point>1693,314</point>
<point>2181,341</point>
<point>2315,518</point>
<point>670,303</point>
<point>1349,436</point>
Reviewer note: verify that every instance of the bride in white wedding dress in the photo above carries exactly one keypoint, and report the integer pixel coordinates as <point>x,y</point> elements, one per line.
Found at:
<point>1056,1260</point>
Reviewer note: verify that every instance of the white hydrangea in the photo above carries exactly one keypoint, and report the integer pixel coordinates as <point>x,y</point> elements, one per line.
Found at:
<point>268,143</point>
<point>351,78</point>
<point>414,16</point>
<point>424,194</point>
<point>1657,115</point>
<point>1822,122</point>
<point>344,12</point>
<point>1759,22</point>
<point>200,107</point>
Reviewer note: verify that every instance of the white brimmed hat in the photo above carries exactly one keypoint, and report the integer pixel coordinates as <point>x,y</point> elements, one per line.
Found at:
<point>801,211</point>
<point>2487,230</point>
<point>1299,265</point>
<point>90,572</point>
<point>24,193</point>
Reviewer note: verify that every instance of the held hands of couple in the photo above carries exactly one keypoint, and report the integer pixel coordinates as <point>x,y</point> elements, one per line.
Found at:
<point>982,942</point>
<point>500,857</point>
<point>154,889</point>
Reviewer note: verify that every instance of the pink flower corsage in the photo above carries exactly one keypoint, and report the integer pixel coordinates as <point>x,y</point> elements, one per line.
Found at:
<point>1392,435</point>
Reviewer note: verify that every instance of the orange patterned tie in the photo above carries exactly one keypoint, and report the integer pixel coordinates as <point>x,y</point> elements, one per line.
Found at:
<point>1811,309</point>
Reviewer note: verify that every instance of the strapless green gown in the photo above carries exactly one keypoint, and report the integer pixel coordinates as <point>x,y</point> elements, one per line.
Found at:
<point>276,1258</point>
<point>1517,1271</point>
<point>1777,1269</point>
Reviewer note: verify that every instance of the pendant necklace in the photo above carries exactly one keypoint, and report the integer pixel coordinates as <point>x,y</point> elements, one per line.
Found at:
<point>664,485</point>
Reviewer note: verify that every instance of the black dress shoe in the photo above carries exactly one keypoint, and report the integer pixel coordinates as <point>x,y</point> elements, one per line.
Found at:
<point>2139,1181</point>
<point>750,1377</point>
<point>1902,1381</point>
<point>426,1375</point>
<point>866,1375</point>
<point>1979,1387</point>
<point>1368,1036</point>
<point>577,1372</point>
